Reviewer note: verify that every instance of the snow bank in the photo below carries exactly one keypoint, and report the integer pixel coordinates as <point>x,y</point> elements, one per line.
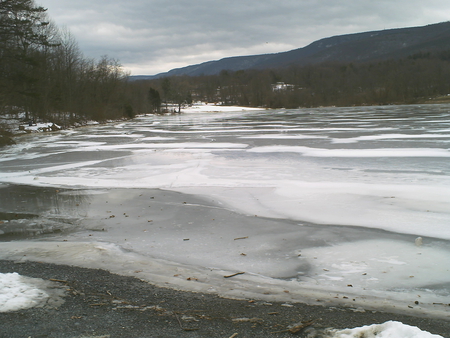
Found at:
<point>39,127</point>
<point>200,107</point>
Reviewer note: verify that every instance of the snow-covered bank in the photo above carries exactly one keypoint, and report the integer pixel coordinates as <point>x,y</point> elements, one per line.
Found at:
<point>201,107</point>
<point>16,125</point>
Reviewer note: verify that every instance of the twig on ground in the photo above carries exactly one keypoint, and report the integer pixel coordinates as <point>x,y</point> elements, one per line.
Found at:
<point>298,327</point>
<point>234,274</point>
<point>58,280</point>
<point>181,325</point>
<point>179,322</point>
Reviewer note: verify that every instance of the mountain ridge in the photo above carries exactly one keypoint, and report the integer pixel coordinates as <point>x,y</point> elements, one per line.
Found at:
<point>356,47</point>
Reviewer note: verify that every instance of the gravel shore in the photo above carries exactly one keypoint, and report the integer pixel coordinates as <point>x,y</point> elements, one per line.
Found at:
<point>101,304</point>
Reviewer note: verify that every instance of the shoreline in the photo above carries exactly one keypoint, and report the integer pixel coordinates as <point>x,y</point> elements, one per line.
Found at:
<point>101,304</point>
<point>100,243</point>
<point>93,249</point>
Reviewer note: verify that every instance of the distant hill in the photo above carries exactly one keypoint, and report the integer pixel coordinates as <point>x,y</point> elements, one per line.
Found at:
<point>359,47</point>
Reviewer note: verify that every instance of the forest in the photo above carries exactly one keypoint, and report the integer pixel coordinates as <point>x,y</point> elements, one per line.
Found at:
<point>45,76</point>
<point>398,81</point>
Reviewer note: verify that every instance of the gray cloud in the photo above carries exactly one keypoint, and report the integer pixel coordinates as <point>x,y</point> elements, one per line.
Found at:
<point>152,36</point>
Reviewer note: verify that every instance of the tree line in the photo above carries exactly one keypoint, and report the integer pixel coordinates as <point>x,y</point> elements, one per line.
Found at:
<point>401,81</point>
<point>44,75</point>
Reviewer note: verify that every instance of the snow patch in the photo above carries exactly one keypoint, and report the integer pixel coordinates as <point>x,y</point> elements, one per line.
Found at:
<point>19,292</point>
<point>390,329</point>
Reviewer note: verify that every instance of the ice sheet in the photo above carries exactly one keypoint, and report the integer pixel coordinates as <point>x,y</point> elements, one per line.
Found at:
<point>323,199</point>
<point>384,152</point>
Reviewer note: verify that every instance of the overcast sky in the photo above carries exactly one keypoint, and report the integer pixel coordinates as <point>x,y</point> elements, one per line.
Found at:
<point>153,36</point>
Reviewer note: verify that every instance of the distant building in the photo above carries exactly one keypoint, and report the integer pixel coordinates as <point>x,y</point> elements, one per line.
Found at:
<point>281,86</point>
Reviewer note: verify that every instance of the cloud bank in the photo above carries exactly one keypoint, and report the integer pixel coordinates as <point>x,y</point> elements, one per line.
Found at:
<point>153,36</point>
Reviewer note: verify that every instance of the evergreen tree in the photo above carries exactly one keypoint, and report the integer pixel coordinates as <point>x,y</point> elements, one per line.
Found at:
<point>154,100</point>
<point>23,37</point>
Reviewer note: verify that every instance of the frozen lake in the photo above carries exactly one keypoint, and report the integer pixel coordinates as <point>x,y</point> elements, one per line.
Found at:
<point>317,205</point>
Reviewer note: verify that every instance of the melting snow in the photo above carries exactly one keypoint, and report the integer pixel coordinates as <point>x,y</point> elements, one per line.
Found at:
<point>389,329</point>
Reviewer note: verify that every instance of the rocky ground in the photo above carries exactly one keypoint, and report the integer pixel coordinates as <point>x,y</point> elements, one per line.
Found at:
<point>100,304</point>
